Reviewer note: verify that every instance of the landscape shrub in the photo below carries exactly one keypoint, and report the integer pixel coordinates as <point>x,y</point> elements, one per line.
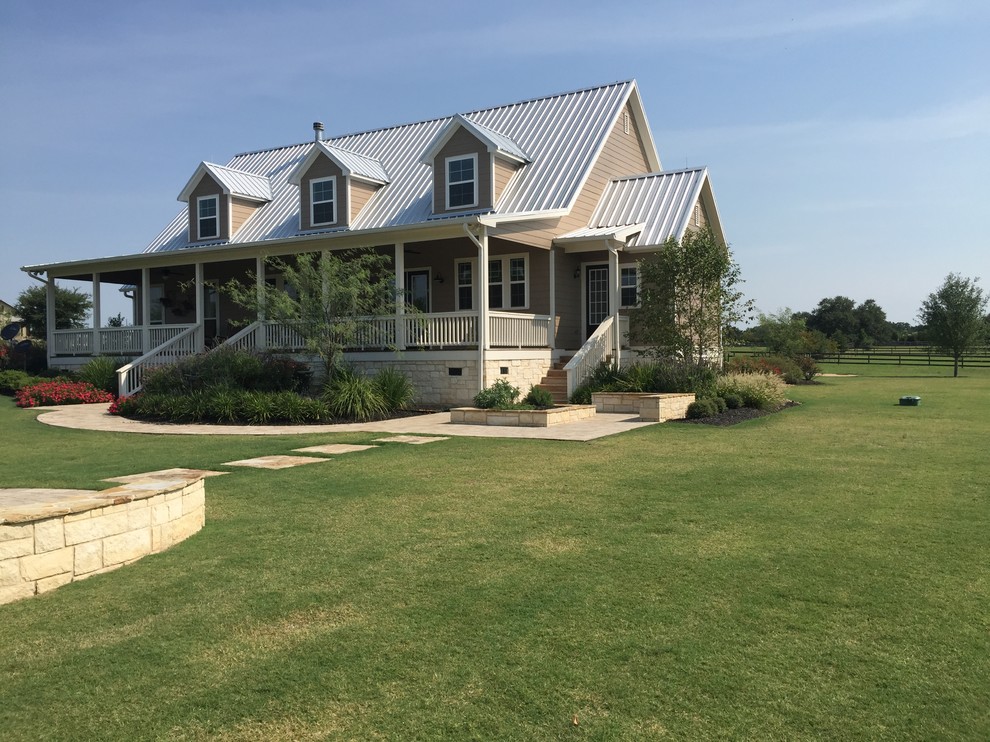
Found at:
<point>60,392</point>
<point>808,367</point>
<point>395,389</point>
<point>701,408</point>
<point>720,404</point>
<point>101,372</point>
<point>11,381</point>
<point>499,396</point>
<point>230,367</point>
<point>733,401</point>
<point>760,391</point>
<point>539,398</point>
<point>350,396</point>
<point>783,366</point>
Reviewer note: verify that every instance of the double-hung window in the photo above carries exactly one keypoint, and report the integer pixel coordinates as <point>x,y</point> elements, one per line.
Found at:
<point>462,181</point>
<point>208,217</point>
<point>629,287</point>
<point>323,204</point>
<point>507,283</point>
<point>465,285</point>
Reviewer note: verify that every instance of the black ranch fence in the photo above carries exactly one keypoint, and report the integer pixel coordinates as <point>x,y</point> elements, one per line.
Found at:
<point>889,356</point>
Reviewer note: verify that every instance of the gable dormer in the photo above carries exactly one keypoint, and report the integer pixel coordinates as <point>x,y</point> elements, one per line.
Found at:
<point>221,200</point>
<point>472,164</point>
<point>335,184</point>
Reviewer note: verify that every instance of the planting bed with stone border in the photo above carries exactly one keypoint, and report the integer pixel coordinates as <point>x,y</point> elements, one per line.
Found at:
<point>521,418</point>
<point>649,407</point>
<point>49,538</point>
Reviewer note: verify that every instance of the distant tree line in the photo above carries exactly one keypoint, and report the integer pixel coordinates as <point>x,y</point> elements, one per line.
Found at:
<point>954,319</point>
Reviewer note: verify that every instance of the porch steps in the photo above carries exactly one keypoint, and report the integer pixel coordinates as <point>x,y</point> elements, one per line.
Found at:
<point>555,381</point>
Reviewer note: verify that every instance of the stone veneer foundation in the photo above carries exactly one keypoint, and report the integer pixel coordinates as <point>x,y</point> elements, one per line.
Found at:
<point>81,534</point>
<point>521,418</point>
<point>649,407</point>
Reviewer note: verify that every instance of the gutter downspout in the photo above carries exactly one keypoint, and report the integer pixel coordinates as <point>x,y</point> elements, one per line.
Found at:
<point>615,298</point>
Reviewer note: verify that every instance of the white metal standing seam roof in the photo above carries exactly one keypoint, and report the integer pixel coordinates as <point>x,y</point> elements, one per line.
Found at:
<point>561,135</point>
<point>661,202</point>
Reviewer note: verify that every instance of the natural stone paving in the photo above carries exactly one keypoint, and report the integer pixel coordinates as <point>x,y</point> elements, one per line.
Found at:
<point>95,417</point>
<point>276,462</point>
<point>414,439</point>
<point>333,448</point>
<point>167,475</point>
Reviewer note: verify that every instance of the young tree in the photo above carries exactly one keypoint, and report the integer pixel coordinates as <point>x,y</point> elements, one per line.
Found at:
<point>953,316</point>
<point>71,309</point>
<point>689,295</point>
<point>334,296</point>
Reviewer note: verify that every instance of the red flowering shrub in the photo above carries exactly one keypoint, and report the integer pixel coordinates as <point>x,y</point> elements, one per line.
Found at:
<point>58,391</point>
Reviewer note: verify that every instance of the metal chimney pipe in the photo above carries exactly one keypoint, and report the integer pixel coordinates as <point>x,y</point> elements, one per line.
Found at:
<point>318,131</point>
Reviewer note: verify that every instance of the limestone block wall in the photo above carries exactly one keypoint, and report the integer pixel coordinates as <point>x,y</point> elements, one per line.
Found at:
<point>110,529</point>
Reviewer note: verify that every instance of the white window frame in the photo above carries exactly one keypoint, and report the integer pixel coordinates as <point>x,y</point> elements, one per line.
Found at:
<point>313,202</point>
<point>199,219</point>
<point>506,282</point>
<point>635,269</point>
<point>458,285</point>
<point>448,182</point>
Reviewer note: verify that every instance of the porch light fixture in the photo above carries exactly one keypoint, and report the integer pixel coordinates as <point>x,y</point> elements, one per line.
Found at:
<point>577,272</point>
<point>438,278</point>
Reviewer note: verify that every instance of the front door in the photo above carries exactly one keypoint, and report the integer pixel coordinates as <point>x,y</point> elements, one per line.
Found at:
<point>418,289</point>
<point>595,296</point>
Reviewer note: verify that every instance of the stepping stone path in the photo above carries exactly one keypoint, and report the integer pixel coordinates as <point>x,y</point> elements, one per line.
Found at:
<point>167,475</point>
<point>276,462</point>
<point>333,448</point>
<point>414,439</point>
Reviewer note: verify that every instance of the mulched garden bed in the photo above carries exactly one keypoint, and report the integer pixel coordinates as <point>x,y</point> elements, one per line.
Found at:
<point>734,417</point>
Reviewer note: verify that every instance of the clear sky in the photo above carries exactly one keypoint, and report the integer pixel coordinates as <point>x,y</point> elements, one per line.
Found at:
<point>847,141</point>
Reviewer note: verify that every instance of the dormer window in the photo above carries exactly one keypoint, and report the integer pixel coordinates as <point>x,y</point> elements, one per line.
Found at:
<point>208,217</point>
<point>462,181</point>
<point>323,202</point>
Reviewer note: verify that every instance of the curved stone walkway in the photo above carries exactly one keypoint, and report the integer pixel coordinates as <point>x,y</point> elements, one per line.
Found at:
<point>95,417</point>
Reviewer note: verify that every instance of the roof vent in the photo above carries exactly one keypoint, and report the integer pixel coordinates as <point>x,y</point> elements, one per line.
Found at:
<point>318,131</point>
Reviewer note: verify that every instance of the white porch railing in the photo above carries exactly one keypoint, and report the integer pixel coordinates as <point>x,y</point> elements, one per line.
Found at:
<point>108,341</point>
<point>130,378</point>
<point>515,330</point>
<point>595,350</point>
<point>435,330</point>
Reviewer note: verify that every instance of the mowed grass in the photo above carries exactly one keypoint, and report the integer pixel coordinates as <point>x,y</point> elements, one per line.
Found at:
<point>821,573</point>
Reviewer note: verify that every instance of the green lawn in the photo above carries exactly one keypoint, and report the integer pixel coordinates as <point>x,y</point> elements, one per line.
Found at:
<point>821,573</point>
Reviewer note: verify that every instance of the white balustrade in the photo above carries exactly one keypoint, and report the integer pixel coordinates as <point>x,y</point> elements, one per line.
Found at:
<point>518,330</point>
<point>440,329</point>
<point>73,342</point>
<point>595,350</point>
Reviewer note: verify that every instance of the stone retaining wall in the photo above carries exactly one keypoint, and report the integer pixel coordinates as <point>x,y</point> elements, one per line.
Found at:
<point>116,527</point>
<point>649,407</point>
<point>521,418</point>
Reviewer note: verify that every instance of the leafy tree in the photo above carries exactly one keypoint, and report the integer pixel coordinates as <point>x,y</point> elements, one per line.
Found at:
<point>780,331</point>
<point>873,326</point>
<point>836,314</point>
<point>116,321</point>
<point>71,309</point>
<point>334,295</point>
<point>953,317</point>
<point>689,295</point>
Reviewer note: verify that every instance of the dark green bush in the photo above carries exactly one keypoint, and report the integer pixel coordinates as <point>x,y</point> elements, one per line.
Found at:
<point>395,389</point>
<point>350,396</point>
<point>539,398</point>
<point>229,367</point>
<point>720,404</point>
<point>101,372</point>
<point>701,408</point>
<point>733,401</point>
<point>12,381</point>
<point>499,396</point>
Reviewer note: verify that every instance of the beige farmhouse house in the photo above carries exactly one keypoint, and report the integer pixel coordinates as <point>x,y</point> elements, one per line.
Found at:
<point>514,230</point>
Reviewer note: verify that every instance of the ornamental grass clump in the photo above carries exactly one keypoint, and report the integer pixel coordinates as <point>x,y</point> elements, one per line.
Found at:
<point>760,391</point>
<point>60,392</point>
<point>350,396</point>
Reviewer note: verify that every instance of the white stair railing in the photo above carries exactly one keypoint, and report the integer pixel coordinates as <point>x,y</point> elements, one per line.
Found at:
<point>595,350</point>
<point>130,378</point>
<point>245,339</point>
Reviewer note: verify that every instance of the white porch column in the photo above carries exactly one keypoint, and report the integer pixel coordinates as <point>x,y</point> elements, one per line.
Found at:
<point>400,295</point>
<point>145,310</point>
<point>50,316</point>
<point>615,298</point>
<point>259,269</point>
<point>96,314</point>
<point>200,309</point>
<point>553,298</point>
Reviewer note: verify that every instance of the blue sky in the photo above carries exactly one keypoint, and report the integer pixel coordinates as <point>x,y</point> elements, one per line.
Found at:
<point>847,141</point>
